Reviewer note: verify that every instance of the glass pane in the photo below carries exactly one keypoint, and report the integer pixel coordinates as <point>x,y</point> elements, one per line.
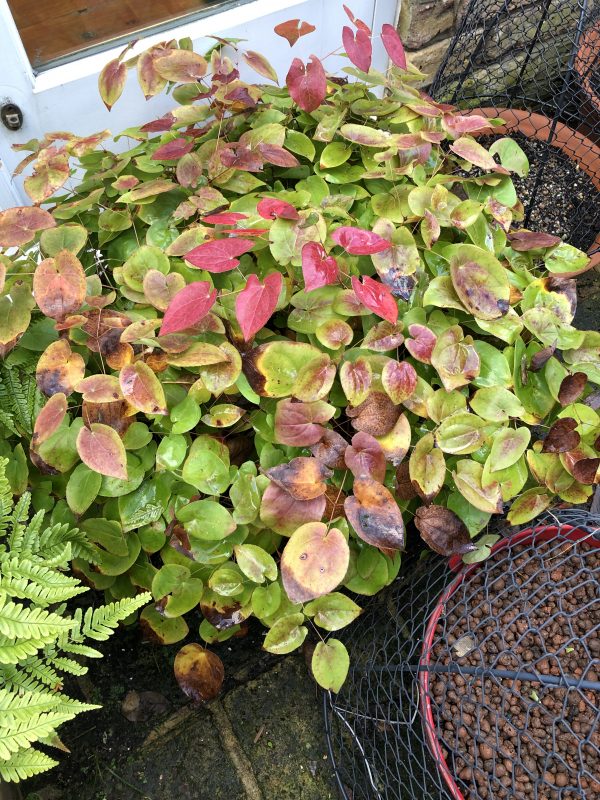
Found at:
<point>56,31</point>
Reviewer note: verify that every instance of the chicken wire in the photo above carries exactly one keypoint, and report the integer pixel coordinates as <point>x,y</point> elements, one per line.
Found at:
<point>542,57</point>
<point>446,699</point>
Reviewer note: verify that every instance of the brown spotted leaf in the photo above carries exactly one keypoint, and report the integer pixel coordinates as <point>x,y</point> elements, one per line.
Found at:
<point>562,436</point>
<point>142,389</point>
<point>59,369</point>
<point>572,388</point>
<point>199,672</point>
<point>59,285</point>
<point>374,515</point>
<point>542,357</point>
<point>181,66</point>
<point>49,419</point>
<point>18,226</point>
<point>314,562</point>
<point>443,531</point>
<point>365,457</point>
<point>377,415</point>
<point>101,449</point>
<point>330,449</point>
<point>100,389</point>
<point>303,478</point>
<point>116,414</point>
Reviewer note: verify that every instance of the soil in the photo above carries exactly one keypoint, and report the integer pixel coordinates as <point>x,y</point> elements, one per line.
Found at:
<point>566,202</point>
<point>536,611</point>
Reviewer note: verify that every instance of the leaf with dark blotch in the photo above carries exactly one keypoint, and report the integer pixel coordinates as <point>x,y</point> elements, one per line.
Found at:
<point>49,419</point>
<point>399,380</point>
<point>562,436</point>
<point>393,45</point>
<point>18,226</point>
<point>586,470</point>
<point>572,388</point>
<point>377,415</point>
<point>307,84</point>
<point>188,307</point>
<point>304,478</point>
<point>300,424</point>
<point>142,389</point>
<point>59,369</point>
<point>481,283</point>
<point>101,449</point>
<point>219,255</point>
<point>314,562</point>
<point>220,613</point>
<point>524,240</point>
<point>271,208</point>
<point>421,345</point>
<point>59,285</point>
<point>293,29</point>
<point>199,672</point>
<point>374,515</point>
<point>404,487</point>
<point>365,458</point>
<point>116,414</point>
<point>377,297</point>
<point>541,357</point>
<point>443,531</point>
<point>330,449</point>
<point>283,513</point>
<point>257,301</point>
<point>358,47</point>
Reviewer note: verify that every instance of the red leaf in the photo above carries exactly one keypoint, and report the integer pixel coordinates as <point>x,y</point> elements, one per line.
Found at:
<point>220,255</point>
<point>307,84</point>
<point>158,125</point>
<point>359,242</point>
<point>275,154</point>
<point>393,45</point>
<point>245,231</point>
<point>293,29</point>
<point>224,218</point>
<point>422,343</point>
<point>188,307</point>
<point>240,156</point>
<point>172,150</point>
<point>111,82</point>
<point>524,240</point>
<point>376,297</point>
<point>358,47</point>
<point>256,302</point>
<point>358,22</point>
<point>318,268</point>
<point>270,208</point>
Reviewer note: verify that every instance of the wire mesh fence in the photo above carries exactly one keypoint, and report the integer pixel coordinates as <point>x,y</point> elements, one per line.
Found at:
<point>480,681</point>
<point>538,60</point>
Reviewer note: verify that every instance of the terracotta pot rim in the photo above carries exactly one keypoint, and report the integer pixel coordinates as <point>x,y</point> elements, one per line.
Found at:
<point>571,142</point>
<point>585,55</point>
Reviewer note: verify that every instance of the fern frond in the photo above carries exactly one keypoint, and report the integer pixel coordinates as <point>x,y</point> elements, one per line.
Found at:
<point>31,533</point>
<point>16,620</point>
<point>15,679</point>
<point>41,671</point>
<point>6,501</point>
<point>99,623</point>
<point>32,729</point>
<point>7,419</point>
<point>13,651</point>
<point>38,583</point>
<point>69,665</point>
<point>25,764</point>
<point>20,396</point>
<point>17,706</point>
<point>53,540</point>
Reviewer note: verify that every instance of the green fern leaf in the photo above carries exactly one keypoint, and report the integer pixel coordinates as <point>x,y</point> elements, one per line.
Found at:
<point>99,623</point>
<point>13,651</point>
<point>34,728</point>
<point>38,583</point>
<point>25,764</point>
<point>16,620</point>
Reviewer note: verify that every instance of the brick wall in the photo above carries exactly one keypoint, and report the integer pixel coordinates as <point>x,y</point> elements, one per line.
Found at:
<point>426,28</point>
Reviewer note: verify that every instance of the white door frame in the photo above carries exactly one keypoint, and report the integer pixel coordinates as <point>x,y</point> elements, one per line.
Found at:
<point>65,97</point>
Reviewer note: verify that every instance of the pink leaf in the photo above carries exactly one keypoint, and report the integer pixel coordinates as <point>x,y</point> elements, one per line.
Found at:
<point>157,125</point>
<point>376,297</point>
<point>365,458</point>
<point>393,45</point>
<point>358,22</point>
<point>293,29</point>
<point>245,231</point>
<point>260,64</point>
<point>422,343</point>
<point>472,151</point>
<point>358,47</point>
<point>456,124</point>
<point>358,242</point>
<point>318,268</point>
<point>219,255</point>
<point>270,208</point>
<point>224,218</point>
<point>171,150</point>
<point>256,302</point>
<point>239,156</point>
<point>188,307</point>
<point>275,154</point>
<point>307,84</point>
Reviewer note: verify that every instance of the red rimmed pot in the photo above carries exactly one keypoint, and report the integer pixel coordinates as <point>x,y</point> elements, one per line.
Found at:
<point>585,61</point>
<point>529,536</point>
<point>577,147</point>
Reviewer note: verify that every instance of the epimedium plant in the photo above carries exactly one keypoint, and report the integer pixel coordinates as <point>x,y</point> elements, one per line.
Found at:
<point>278,322</point>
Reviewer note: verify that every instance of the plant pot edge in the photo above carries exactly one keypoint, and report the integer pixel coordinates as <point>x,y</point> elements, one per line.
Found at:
<point>573,144</point>
<point>588,47</point>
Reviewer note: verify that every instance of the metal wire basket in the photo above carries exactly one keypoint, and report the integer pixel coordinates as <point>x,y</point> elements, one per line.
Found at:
<point>536,63</point>
<point>478,681</point>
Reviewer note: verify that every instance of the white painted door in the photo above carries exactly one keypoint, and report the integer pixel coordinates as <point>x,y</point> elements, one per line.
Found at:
<point>66,97</point>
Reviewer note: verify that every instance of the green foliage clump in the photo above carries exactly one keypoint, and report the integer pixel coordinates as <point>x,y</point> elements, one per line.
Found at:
<point>39,637</point>
<point>276,323</point>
